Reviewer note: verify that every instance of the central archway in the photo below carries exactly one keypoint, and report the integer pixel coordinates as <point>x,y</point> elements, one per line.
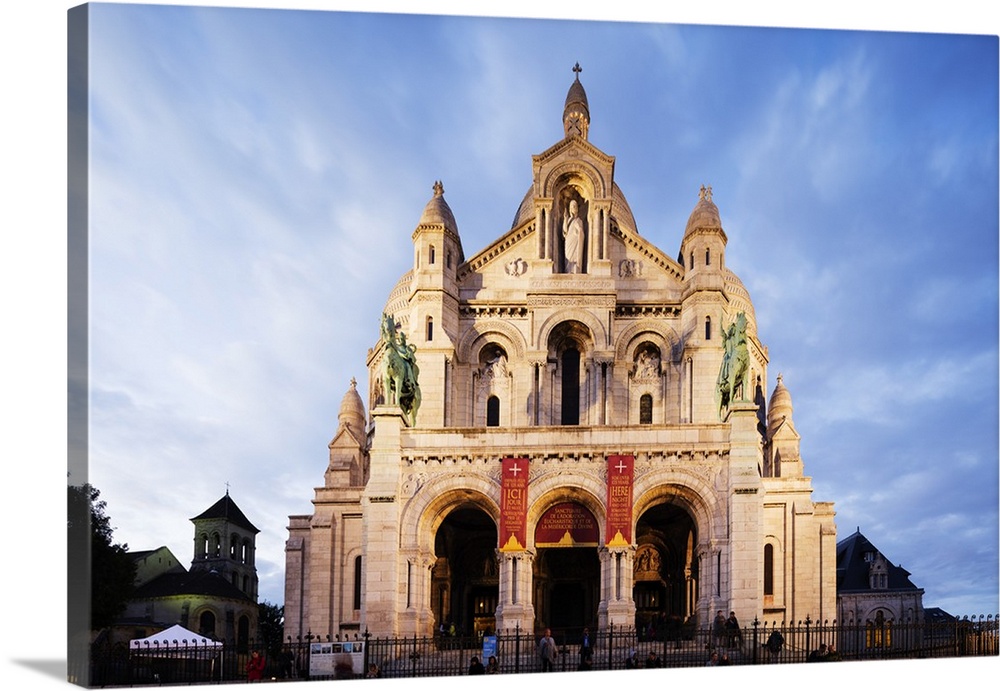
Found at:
<point>665,573</point>
<point>567,574</point>
<point>465,581</point>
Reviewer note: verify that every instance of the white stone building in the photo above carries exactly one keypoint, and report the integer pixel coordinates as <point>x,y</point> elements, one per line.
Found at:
<point>591,360</point>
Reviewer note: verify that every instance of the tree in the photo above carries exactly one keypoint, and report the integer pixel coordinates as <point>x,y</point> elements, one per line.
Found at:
<point>270,627</point>
<point>111,570</point>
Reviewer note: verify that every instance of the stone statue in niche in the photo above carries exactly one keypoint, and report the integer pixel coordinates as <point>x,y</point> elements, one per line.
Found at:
<point>647,364</point>
<point>647,563</point>
<point>496,368</point>
<point>572,239</point>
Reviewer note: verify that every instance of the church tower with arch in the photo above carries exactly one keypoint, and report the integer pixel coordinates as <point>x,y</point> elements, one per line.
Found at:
<point>590,445</point>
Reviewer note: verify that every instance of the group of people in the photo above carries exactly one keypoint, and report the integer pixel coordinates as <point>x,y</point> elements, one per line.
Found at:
<point>823,653</point>
<point>476,666</point>
<point>718,660</point>
<point>726,631</point>
<point>653,660</point>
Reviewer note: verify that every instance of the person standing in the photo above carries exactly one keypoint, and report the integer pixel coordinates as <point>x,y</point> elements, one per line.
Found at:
<point>547,651</point>
<point>255,666</point>
<point>719,628</point>
<point>586,649</point>
<point>733,635</point>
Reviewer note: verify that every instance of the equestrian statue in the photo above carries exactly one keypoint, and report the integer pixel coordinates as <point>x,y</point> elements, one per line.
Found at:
<point>731,384</point>
<point>399,370</point>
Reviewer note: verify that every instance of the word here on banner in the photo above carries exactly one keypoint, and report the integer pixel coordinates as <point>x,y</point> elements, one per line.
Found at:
<point>621,472</point>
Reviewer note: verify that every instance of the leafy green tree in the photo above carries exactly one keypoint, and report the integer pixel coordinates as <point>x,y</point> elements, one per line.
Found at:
<point>111,571</point>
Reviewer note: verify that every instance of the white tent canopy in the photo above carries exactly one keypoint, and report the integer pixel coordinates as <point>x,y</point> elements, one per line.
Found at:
<point>174,637</point>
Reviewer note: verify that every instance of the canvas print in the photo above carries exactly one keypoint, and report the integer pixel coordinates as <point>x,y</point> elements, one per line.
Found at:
<point>421,346</point>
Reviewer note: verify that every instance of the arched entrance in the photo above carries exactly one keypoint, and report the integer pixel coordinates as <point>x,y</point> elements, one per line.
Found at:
<point>567,574</point>
<point>464,581</point>
<point>665,572</point>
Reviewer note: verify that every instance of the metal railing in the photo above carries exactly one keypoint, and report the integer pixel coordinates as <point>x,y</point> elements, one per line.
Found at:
<point>761,642</point>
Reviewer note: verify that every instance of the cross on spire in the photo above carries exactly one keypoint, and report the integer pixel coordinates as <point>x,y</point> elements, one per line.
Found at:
<point>577,69</point>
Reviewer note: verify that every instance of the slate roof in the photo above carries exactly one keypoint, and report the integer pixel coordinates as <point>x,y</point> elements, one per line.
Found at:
<point>936,615</point>
<point>852,569</point>
<point>227,508</point>
<point>198,582</point>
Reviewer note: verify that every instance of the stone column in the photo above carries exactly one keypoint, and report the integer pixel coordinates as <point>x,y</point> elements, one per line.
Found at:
<point>617,608</point>
<point>383,567</point>
<point>746,513</point>
<point>515,608</point>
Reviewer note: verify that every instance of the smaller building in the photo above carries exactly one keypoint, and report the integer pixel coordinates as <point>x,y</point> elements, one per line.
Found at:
<point>871,588</point>
<point>216,598</point>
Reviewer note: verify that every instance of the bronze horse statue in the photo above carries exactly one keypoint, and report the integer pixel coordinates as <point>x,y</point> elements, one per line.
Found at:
<point>399,370</point>
<point>731,384</point>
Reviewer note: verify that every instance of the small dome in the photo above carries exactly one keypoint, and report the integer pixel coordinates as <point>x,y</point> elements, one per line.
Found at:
<point>576,99</point>
<point>705,214</point>
<point>352,409</point>
<point>576,113</point>
<point>780,405</point>
<point>437,211</point>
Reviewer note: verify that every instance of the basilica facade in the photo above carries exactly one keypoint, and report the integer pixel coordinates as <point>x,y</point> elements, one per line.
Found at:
<point>568,428</point>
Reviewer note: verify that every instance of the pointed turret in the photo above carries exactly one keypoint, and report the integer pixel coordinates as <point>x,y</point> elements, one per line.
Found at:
<point>576,113</point>
<point>348,460</point>
<point>352,411</point>
<point>782,443</point>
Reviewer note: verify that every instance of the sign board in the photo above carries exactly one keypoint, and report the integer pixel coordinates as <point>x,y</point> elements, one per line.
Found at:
<point>567,525</point>
<point>326,658</point>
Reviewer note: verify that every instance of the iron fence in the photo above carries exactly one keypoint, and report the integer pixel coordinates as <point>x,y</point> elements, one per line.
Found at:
<point>318,657</point>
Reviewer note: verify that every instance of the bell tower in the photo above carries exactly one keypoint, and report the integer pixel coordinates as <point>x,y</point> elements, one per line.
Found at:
<point>225,541</point>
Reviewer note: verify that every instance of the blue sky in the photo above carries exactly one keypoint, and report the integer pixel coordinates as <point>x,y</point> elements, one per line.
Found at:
<point>255,176</point>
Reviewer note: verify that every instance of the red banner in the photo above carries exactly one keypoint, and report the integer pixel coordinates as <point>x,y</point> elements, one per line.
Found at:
<point>567,525</point>
<point>619,525</point>
<point>513,504</point>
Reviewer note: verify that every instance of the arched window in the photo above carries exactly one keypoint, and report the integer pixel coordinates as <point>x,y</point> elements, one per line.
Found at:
<point>447,258</point>
<point>493,412</point>
<point>243,634</point>
<point>692,260</point>
<point>216,545</point>
<point>878,633</point>
<point>571,387</point>
<point>234,546</point>
<point>245,552</point>
<point>206,624</point>
<point>430,328</point>
<point>646,409</point>
<point>708,257</point>
<point>708,328</point>
<point>430,255</point>
<point>203,545</point>
<point>769,569</point>
<point>357,582</point>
